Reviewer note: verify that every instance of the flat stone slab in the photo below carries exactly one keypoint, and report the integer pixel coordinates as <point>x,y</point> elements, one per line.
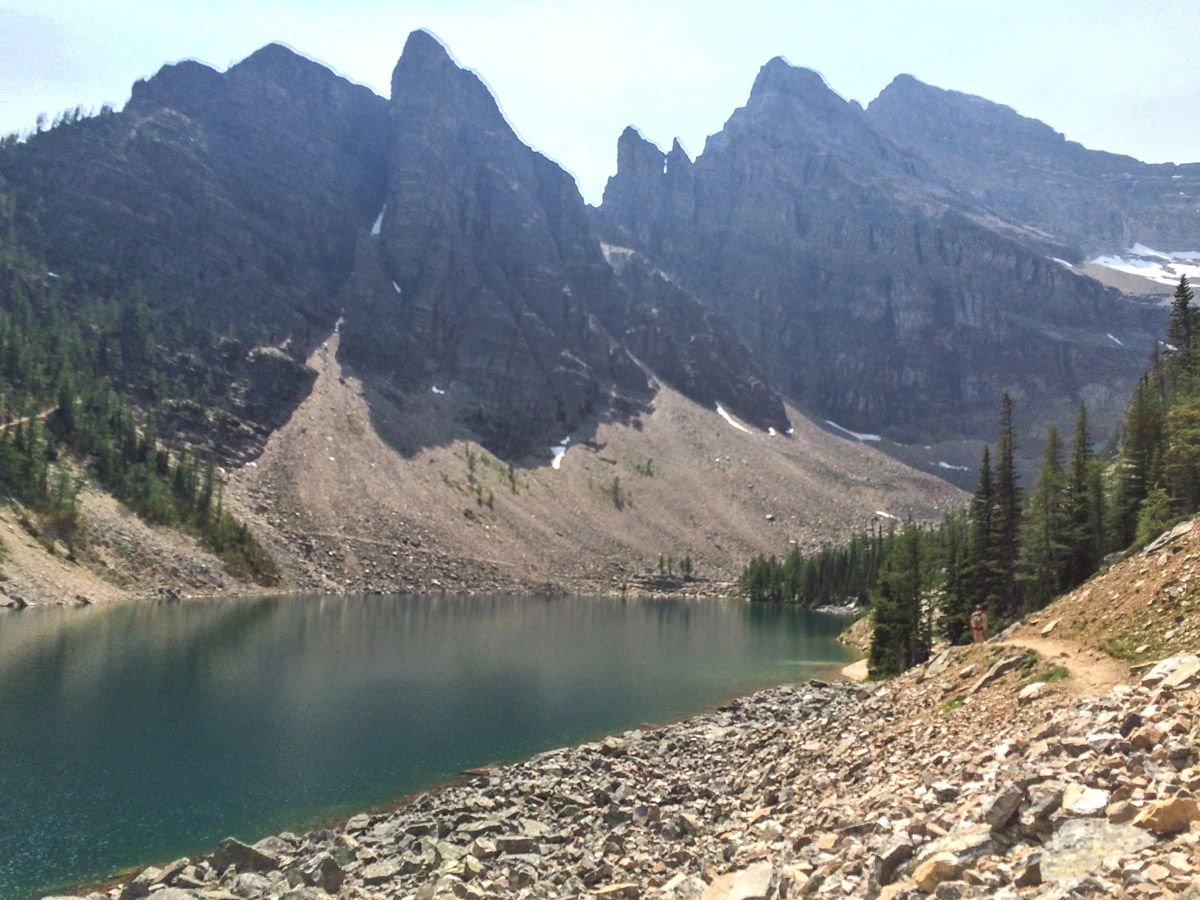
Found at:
<point>1081,845</point>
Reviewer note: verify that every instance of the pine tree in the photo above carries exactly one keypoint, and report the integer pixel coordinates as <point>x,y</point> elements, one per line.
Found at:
<point>1007,521</point>
<point>1181,327</point>
<point>1046,532</point>
<point>900,625</point>
<point>1141,444</point>
<point>1085,501</point>
<point>980,564</point>
<point>956,605</point>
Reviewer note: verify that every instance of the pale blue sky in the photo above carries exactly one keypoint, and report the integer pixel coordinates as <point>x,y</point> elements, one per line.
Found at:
<point>1116,75</point>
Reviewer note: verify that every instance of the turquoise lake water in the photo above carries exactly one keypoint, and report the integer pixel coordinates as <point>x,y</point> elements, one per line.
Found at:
<point>142,733</point>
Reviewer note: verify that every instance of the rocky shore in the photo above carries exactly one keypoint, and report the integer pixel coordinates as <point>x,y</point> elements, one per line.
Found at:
<point>980,774</point>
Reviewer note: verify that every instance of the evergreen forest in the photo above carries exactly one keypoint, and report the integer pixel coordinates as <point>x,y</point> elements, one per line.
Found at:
<point>65,349</point>
<point>1013,550</point>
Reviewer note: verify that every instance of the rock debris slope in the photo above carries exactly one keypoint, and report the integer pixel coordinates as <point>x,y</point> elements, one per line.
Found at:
<point>362,490</point>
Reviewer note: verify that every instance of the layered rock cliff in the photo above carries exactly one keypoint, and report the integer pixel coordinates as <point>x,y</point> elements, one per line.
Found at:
<point>231,201</point>
<point>874,290</point>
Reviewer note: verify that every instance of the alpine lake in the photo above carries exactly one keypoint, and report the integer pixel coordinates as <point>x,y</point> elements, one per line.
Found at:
<point>139,733</point>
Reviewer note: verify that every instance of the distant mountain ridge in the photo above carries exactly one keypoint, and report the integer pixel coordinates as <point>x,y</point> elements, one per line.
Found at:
<point>879,268</point>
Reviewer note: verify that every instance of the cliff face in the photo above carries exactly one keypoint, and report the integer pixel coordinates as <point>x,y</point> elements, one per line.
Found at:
<point>233,198</point>
<point>494,286</point>
<point>1028,172</point>
<point>874,291</point>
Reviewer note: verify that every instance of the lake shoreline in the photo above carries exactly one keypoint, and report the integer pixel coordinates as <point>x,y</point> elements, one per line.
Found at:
<point>481,791</point>
<point>663,661</point>
<point>836,676</point>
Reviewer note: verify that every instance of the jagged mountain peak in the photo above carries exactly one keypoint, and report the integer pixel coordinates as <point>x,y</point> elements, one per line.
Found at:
<point>426,71</point>
<point>273,57</point>
<point>907,95</point>
<point>779,77</point>
<point>181,84</point>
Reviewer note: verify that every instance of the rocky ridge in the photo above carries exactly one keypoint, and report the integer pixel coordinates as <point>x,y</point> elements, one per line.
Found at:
<point>1027,172</point>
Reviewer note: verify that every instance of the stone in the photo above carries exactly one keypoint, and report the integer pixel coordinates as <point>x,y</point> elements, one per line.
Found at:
<point>1004,806</point>
<point>690,824</point>
<point>379,872</point>
<point>936,869</point>
<point>323,871</point>
<point>514,843</point>
<point>996,672</point>
<point>1169,816</point>
<point>618,891</point>
<point>232,852</point>
<point>888,860</point>
<point>751,883</point>
<point>1032,692</point>
<point>1049,627</point>
<point>1080,846</point>
<point>1080,800</point>
<point>1174,671</point>
<point>612,746</point>
<point>1030,874</point>
<point>1120,812</point>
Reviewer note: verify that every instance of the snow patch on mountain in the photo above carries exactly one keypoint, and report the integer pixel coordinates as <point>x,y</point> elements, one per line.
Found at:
<point>730,419</point>
<point>559,451</point>
<point>854,434</point>
<point>1162,266</point>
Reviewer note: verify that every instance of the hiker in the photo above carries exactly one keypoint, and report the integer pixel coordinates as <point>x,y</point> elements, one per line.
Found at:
<point>979,624</point>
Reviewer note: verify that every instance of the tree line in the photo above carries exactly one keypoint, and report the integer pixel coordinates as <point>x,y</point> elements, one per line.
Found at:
<point>1012,551</point>
<point>833,576</point>
<point>58,406</point>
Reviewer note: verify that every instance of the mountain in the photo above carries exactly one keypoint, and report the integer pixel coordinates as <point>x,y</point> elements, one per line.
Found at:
<point>494,287</point>
<point>1025,171</point>
<point>232,201</point>
<point>368,295</point>
<point>876,291</point>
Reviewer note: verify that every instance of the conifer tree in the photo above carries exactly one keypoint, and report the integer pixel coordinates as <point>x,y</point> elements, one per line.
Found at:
<point>1007,517</point>
<point>1085,500</point>
<point>1141,444</point>
<point>1181,327</point>
<point>980,566</point>
<point>956,607</point>
<point>900,625</point>
<point>1046,533</point>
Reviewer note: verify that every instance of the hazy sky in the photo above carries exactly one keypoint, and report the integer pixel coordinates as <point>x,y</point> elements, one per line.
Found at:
<point>1115,75</point>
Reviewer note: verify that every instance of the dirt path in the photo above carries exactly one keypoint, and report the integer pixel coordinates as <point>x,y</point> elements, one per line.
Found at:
<point>1089,671</point>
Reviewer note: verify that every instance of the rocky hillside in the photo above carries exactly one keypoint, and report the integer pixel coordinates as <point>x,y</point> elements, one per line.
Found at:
<point>1021,768</point>
<point>494,285</point>
<point>815,254</point>
<point>230,201</point>
<point>365,490</point>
